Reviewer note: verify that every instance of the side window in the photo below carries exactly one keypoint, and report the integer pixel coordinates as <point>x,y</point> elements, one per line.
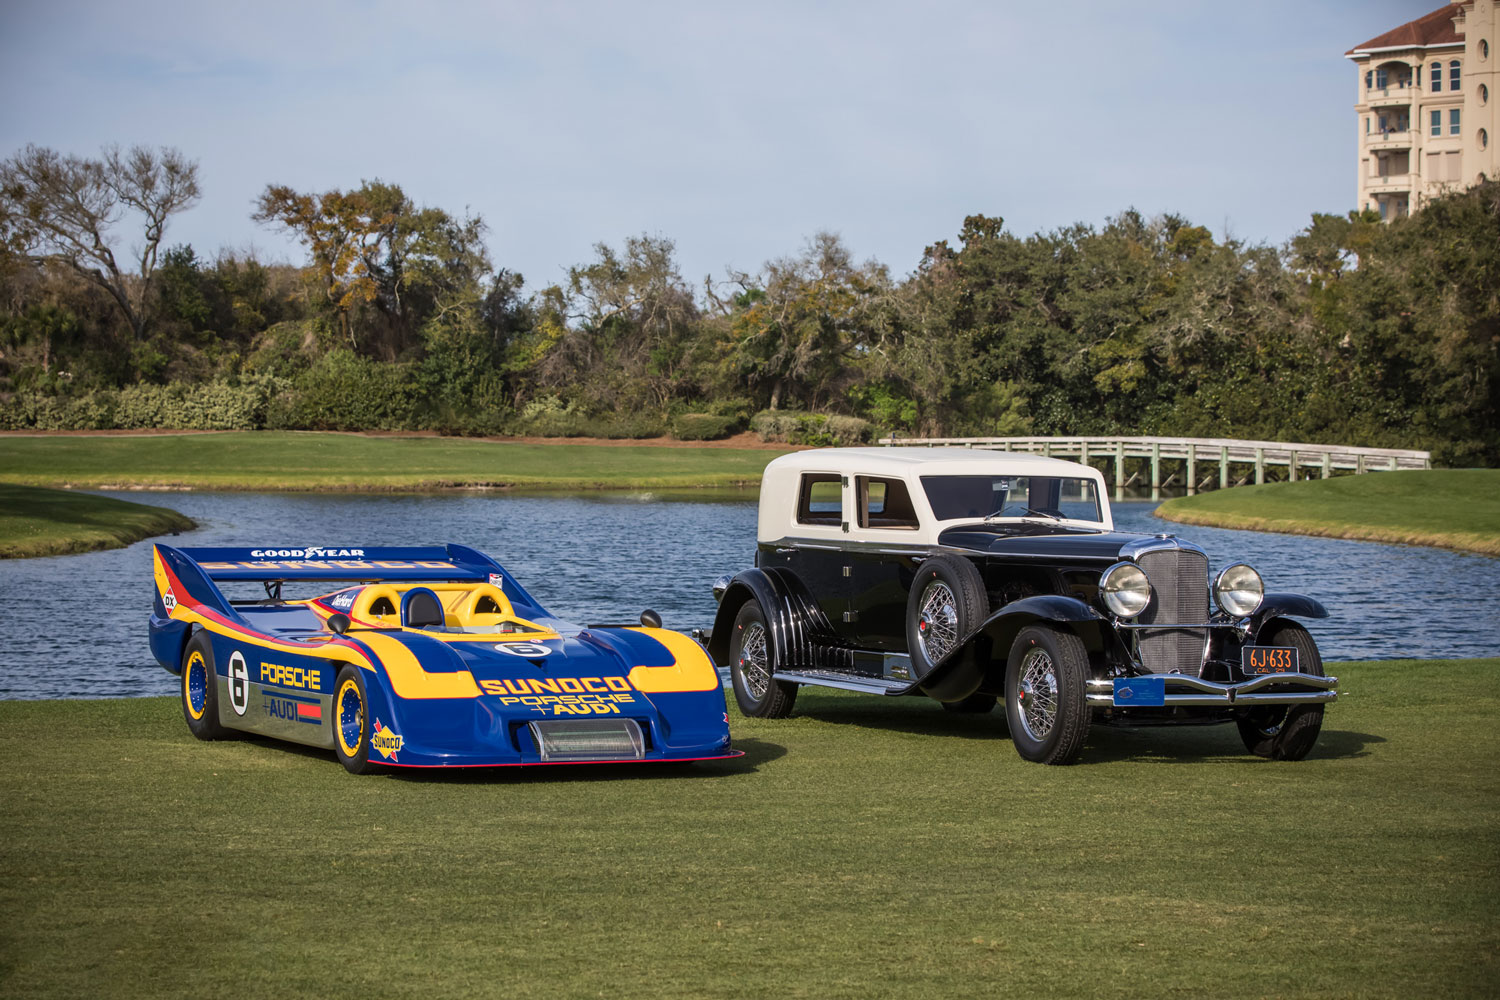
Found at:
<point>1436,77</point>
<point>884,503</point>
<point>821,499</point>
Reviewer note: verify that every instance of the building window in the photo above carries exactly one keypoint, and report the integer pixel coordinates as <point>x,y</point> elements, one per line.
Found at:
<point>1484,49</point>
<point>1484,95</point>
<point>1453,75</point>
<point>1419,74</point>
<point>1380,79</point>
<point>1437,77</point>
<point>1437,123</point>
<point>1483,139</point>
<point>1453,122</point>
<point>1367,124</point>
<point>1369,79</point>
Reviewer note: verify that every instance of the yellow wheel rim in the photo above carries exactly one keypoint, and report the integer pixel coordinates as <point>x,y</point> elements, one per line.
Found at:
<point>195,681</point>
<point>349,718</point>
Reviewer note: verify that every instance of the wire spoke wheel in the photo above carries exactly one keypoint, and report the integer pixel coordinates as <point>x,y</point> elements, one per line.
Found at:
<point>937,625</point>
<point>755,666</point>
<point>1038,694</point>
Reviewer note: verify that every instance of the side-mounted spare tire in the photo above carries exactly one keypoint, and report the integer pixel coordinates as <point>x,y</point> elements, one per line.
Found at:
<point>946,604</point>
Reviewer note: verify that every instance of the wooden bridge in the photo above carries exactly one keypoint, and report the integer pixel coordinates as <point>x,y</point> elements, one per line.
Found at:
<point>1305,460</point>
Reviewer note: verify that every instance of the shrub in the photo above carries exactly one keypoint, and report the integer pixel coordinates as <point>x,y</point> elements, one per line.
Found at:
<point>795,427</point>
<point>703,426</point>
<point>345,392</point>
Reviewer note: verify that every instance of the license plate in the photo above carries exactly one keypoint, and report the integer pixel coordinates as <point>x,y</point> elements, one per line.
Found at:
<point>1258,660</point>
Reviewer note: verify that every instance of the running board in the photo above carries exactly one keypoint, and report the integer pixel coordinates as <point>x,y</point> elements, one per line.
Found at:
<point>846,682</point>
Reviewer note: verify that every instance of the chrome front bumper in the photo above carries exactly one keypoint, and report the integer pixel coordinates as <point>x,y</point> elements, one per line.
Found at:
<point>1171,690</point>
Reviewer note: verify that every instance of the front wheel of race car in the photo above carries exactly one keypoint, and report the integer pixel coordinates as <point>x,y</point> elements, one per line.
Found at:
<point>351,722</point>
<point>200,689</point>
<point>1046,698</point>
<point>752,664</point>
<point>1285,732</point>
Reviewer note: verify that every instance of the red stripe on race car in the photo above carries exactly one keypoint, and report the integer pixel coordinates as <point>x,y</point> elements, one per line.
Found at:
<point>306,711</point>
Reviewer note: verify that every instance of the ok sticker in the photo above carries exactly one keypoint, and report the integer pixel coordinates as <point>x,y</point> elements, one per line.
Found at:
<point>527,649</point>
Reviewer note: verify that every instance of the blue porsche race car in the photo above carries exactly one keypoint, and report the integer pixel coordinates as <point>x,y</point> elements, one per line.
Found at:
<point>423,657</point>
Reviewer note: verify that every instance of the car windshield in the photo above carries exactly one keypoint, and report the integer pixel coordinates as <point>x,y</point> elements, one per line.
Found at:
<point>1054,497</point>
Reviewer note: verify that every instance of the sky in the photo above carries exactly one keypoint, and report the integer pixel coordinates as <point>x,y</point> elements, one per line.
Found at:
<point>736,130</point>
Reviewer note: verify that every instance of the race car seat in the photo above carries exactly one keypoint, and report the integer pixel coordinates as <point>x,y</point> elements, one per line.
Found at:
<point>420,608</point>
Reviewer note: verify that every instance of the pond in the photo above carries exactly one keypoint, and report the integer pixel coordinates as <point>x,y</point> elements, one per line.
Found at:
<point>75,626</point>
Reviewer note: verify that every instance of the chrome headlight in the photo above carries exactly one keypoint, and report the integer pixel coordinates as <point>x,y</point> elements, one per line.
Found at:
<point>1125,589</point>
<point>1238,590</point>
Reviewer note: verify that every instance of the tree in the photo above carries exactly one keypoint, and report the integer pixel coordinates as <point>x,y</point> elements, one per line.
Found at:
<point>67,210</point>
<point>342,231</point>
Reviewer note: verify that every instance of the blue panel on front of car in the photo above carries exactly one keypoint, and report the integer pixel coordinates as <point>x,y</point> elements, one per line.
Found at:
<point>1145,692</point>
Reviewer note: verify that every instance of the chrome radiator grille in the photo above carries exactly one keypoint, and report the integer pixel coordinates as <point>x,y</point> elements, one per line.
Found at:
<point>1179,594</point>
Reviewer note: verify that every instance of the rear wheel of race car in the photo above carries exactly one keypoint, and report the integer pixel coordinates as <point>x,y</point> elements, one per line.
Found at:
<point>1046,697</point>
<point>752,662</point>
<point>1285,732</point>
<point>947,602</point>
<point>351,722</point>
<point>200,689</point>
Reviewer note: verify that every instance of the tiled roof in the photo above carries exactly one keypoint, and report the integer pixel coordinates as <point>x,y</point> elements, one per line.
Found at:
<point>1429,29</point>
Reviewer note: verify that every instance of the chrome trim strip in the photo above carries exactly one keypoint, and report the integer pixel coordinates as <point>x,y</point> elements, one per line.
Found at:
<point>1184,625</point>
<point>1100,692</point>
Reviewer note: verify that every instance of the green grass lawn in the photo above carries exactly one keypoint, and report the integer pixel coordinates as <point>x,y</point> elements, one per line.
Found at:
<point>863,848</point>
<point>43,522</point>
<point>1450,508</point>
<point>292,460</point>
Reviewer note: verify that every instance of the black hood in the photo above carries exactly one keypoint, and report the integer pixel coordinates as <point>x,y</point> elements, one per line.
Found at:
<point>1031,541</point>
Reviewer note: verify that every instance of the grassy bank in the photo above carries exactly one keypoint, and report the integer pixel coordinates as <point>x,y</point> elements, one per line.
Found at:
<point>291,460</point>
<point>43,522</point>
<point>864,848</point>
<point>1448,508</point>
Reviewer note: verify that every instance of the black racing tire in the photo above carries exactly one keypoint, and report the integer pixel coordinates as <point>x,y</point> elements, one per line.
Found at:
<point>1285,732</point>
<point>946,604</point>
<point>1046,695</point>
<point>200,689</point>
<point>976,704</point>
<point>752,662</point>
<point>351,721</point>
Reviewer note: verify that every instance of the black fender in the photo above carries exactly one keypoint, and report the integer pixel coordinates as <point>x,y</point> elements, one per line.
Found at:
<point>1287,605</point>
<point>963,670</point>
<point>793,618</point>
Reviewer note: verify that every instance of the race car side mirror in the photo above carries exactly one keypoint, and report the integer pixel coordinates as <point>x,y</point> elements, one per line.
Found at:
<point>650,619</point>
<point>338,622</point>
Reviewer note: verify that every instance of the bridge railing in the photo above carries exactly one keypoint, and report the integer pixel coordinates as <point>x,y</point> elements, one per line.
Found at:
<point>1297,457</point>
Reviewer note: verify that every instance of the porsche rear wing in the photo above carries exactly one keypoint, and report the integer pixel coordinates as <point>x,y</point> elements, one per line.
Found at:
<point>458,563</point>
<point>199,569</point>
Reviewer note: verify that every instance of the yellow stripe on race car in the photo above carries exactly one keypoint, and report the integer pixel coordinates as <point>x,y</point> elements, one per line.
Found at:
<point>693,671</point>
<point>408,679</point>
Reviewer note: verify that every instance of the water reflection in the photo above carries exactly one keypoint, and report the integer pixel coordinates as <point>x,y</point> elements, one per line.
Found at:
<point>76,625</point>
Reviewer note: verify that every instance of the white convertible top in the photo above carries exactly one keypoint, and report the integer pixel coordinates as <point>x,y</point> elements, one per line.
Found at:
<point>783,476</point>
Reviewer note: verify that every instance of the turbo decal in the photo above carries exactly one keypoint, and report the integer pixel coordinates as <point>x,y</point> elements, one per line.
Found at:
<point>386,741</point>
<point>239,683</point>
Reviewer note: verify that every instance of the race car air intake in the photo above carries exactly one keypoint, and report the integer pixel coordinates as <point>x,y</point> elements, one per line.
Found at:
<point>585,739</point>
<point>1179,587</point>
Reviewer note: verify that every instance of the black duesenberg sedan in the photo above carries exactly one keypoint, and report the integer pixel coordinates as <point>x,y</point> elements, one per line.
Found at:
<point>971,576</point>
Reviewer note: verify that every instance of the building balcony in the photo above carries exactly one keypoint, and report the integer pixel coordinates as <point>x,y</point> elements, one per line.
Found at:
<point>1388,184</point>
<point>1384,97</point>
<point>1390,139</point>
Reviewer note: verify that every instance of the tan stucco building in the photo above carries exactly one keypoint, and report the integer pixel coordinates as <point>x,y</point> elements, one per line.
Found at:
<point>1427,107</point>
